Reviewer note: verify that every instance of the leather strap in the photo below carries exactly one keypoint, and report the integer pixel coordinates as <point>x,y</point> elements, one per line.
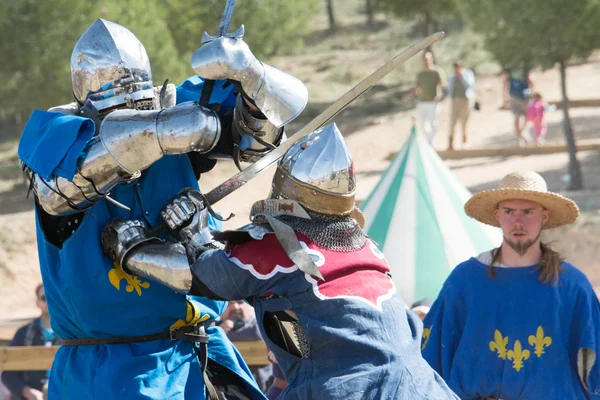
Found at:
<point>192,334</point>
<point>197,334</point>
<point>115,340</point>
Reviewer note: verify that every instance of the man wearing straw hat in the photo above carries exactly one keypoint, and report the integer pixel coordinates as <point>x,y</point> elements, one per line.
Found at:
<point>517,322</point>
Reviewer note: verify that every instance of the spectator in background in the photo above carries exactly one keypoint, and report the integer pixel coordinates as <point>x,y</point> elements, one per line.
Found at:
<point>429,87</point>
<point>421,308</point>
<point>30,385</point>
<point>516,94</point>
<point>279,382</point>
<point>461,91</point>
<point>4,393</point>
<point>535,118</point>
<point>239,323</point>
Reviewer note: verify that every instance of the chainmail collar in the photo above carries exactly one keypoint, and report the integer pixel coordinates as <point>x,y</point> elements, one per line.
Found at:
<point>337,233</point>
<point>342,234</point>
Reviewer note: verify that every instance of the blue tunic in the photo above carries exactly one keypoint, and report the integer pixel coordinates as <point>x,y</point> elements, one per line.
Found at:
<point>90,297</point>
<point>361,343</point>
<point>512,337</point>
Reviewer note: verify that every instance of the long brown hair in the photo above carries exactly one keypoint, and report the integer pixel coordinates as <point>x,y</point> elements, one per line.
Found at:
<point>549,266</point>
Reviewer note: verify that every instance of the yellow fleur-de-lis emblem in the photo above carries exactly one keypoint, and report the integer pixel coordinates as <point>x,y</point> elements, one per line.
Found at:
<point>499,344</point>
<point>193,316</point>
<point>426,334</point>
<point>116,275</point>
<point>540,341</point>
<point>518,355</point>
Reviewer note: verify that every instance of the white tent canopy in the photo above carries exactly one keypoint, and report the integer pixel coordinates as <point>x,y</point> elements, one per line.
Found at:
<point>416,215</point>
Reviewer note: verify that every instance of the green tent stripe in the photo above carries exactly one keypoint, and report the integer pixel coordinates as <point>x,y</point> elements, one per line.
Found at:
<point>474,228</point>
<point>381,222</point>
<point>402,153</point>
<point>447,174</point>
<point>431,264</point>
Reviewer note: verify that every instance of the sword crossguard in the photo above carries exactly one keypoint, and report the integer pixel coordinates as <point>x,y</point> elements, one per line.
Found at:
<point>237,34</point>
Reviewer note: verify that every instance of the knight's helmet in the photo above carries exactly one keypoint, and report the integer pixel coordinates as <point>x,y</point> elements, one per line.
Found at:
<point>318,172</point>
<point>110,69</point>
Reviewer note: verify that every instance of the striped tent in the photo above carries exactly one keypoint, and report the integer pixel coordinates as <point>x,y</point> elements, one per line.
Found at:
<point>416,215</point>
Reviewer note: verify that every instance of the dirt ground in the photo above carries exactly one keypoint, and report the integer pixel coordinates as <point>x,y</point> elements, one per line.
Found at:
<point>375,126</point>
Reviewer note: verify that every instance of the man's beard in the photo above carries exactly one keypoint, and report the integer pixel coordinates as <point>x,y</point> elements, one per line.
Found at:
<point>521,247</point>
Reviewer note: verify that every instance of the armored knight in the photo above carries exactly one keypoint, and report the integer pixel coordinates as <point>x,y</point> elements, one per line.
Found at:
<point>322,291</point>
<point>123,148</point>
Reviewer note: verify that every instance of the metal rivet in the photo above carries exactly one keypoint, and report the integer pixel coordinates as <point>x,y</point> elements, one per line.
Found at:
<point>147,213</point>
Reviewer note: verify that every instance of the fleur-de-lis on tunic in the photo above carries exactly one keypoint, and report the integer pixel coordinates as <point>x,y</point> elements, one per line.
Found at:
<point>426,333</point>
<point>540,341</point>
<point>116,275</point>
<point>499,344</point>
<point>518,355</point>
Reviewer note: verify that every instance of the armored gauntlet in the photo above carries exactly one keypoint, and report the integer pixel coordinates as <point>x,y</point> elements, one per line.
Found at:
<point>280,96</point>
<point>127,244</point>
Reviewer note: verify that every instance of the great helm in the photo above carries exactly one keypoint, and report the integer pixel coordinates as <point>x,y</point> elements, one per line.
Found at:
<point>318,172</point>
<point>110,69</point>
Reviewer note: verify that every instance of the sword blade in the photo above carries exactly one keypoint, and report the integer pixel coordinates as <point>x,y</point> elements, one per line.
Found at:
<point>226,18</point>
<point>243,177</point>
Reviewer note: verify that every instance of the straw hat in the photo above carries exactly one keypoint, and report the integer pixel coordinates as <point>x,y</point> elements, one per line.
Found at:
<point>525,185</point>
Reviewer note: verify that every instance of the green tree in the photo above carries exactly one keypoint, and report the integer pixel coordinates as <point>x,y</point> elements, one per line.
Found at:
<point>541,33</point>
<point>330,15</point>
<point>147,19</point>
<point>369,11</point>
<point>38,38</point>
<point>36,44</point>
<point>427,10</point>
<point>272,26</point>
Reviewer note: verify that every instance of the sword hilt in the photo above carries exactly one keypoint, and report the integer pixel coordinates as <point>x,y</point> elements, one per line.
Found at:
<point>161,227</point>
<point>158,229</point>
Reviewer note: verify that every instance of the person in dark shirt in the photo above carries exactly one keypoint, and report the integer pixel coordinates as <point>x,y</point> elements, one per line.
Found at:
<point>30,384</point>
<point>517,88</point>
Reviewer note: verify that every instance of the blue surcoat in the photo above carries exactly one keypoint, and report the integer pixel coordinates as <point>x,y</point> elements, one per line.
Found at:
<point>512,337</point>
<point>90,297</point>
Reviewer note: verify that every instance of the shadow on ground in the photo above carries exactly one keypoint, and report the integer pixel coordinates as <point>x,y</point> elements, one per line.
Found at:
<point>584,126</point>
<point>379,101</point>
<point>345,30</point>
<point>555,178</point>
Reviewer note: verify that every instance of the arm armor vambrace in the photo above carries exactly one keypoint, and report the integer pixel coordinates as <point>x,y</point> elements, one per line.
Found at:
<point>166,264</point>
<point>128,142</point>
